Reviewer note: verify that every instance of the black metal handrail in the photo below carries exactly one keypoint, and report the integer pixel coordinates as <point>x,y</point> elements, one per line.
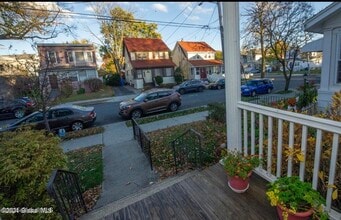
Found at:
<point>187,149</point>
<point>143,141</point>
<point>63,186</point>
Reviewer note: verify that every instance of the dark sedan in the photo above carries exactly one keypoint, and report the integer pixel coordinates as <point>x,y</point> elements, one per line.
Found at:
<point>193,85</point>
<point>218,84</point>
<point>68,117</point>
<point>257,86</point>
<point>16,108</point>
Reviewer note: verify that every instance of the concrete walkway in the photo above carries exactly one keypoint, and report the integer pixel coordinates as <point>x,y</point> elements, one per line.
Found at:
<point>126,169</point>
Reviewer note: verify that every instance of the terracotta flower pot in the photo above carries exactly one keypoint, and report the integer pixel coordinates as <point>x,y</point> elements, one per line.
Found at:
<point>238,184</point>
<point>293,216</point>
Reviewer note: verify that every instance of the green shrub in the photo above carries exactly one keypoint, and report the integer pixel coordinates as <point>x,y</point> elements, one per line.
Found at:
<point>159,80</point>
<point>112,79</point>
<point>308,95</point>
<point>81,91</point>
<point>27,159</point>
<point>178,75</point>
<point>94,84</point>
<point>217,112</point>
<point>66,89</point>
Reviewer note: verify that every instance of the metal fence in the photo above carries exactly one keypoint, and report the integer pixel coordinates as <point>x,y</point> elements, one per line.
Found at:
<point>63,186</point>
<point>187,150</point>
<point>143,141</point>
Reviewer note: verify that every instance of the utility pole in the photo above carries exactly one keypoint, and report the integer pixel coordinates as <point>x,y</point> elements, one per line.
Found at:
<point>221,27</point>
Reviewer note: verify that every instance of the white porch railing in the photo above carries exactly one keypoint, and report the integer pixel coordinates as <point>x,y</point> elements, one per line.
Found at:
<point>273,145</point>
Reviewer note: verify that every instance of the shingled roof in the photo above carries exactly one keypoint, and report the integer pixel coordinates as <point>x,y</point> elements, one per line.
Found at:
<point>195,46</point>
<point>144,44</point>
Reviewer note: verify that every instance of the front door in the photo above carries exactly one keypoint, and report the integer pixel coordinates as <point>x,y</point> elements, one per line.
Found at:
<point>53,81</point>
<point>203,74</point>
<point>147,75</point>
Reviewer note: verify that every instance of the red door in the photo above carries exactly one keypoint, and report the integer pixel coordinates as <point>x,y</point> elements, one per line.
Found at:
<point>203,74</point>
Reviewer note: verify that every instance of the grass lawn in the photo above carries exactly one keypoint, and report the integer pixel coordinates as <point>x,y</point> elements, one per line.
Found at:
<point>107,91</point>
<point>88,164</point>
<point>214,134</point>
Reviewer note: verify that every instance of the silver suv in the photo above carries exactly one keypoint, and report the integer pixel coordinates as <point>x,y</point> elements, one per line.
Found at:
<point>150,101</point>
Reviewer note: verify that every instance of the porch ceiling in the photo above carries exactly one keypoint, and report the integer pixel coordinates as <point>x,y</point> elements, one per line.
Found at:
<point>146,64</point>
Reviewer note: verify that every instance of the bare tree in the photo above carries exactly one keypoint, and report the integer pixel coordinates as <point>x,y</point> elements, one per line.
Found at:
<point>285,32</point>
<point>255,29</point>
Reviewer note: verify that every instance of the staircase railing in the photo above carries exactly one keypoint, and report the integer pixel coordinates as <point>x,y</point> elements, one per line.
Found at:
<point>64,187</point>
<point>187,150</point>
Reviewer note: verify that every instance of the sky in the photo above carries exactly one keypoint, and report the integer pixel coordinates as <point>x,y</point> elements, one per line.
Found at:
<point>188,21</point>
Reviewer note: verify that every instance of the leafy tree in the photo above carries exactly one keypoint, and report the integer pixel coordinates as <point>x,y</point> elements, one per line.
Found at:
<point>122,24</point>
<point>219,55</point>
<point>27,159</point>
<point>82,41</point>
<point>31,20</point>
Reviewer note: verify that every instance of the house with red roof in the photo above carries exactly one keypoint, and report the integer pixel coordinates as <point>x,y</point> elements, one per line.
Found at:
<point>146,58</point>
<point>196,60</point>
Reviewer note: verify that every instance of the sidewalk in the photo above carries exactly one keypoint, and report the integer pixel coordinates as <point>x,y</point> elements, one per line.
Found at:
<point>126,169</point>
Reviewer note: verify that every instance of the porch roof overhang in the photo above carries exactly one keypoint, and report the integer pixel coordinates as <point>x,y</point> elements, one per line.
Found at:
<point>314,46</point>
<point>315,24</point>
<point>198,63</point>
<point>146,64</point>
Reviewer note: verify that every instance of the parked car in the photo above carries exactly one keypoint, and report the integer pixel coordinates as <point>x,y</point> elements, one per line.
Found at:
<point>247,75</point>
<point>218,84</point>
<point>193,85</point>
<point>257,86</point>
<point>16,108</point>
<point>149,101</point>
<point>68,117</point>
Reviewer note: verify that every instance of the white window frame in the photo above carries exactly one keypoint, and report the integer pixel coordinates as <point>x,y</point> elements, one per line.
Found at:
<point>338,60</point>
<point>70,56</point>
<point>89,58</point>
<point>76,58</point>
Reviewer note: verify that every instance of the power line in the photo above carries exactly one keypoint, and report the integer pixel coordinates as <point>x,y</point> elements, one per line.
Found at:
<point>174,18</point>
<point>105,17</point>
<point>209,22</point>
<point>183,22</point>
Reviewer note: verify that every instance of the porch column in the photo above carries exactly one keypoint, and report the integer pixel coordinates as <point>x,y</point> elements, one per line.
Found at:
<point>232,73</point>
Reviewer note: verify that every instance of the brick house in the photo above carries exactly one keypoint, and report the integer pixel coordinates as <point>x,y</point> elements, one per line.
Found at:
<point>75,62</point>
<point>146,58</point>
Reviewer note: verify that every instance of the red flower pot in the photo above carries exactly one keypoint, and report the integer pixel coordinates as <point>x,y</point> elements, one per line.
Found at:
<point>294,216</point>
<point>237,184</point>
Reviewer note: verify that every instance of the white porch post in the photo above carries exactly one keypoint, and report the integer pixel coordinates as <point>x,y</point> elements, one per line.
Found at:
<point>232,73</point>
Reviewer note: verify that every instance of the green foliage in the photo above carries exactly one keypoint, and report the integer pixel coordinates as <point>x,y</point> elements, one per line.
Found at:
<point>217,112</point>
<point>308,95</point>
<point>159,80</point>
<point>27,159</point>
<point>112,79</point>
<point>94,84</point>
<point>296,195</point>
<point>178,75</point>
<point>88,164</point>
<point>66,89</point>
<point>80,91</point>
<point>236,164</point>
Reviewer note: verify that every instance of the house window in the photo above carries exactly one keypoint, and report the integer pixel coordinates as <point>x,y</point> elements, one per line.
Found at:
<point>52,57</point>
<point>89,57</point>
<point>338,73</point>
<point>79,56</point>
<point>141,55</point>
<point>168,71</point>
<point>70,57</point>
<point>161,55</point>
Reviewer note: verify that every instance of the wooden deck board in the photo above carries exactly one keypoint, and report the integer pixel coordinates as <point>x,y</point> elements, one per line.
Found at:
<point>202,196</point>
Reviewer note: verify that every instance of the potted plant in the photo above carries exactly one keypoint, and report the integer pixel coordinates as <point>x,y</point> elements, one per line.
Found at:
<point>295,199</point>
<point>239,168</point>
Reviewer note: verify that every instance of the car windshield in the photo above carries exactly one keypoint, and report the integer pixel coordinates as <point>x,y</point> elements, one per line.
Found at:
<point>140,97</point>
<point>251,83</point>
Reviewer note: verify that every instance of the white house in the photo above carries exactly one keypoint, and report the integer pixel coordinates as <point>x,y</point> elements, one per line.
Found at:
<point>328,23</point>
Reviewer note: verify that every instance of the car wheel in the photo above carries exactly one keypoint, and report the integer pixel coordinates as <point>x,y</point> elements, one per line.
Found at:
<point>173,107</point>
<point>219,87</point>
<point>182,91</point>
<point>200,89</point>
<point>253,93</point>
<point>77,126</point>
<point>137,113</point>
<point>269,90</point>
<point>19,113</point>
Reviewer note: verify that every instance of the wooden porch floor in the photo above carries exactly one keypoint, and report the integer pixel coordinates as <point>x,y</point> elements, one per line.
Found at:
<point>205,195</point>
